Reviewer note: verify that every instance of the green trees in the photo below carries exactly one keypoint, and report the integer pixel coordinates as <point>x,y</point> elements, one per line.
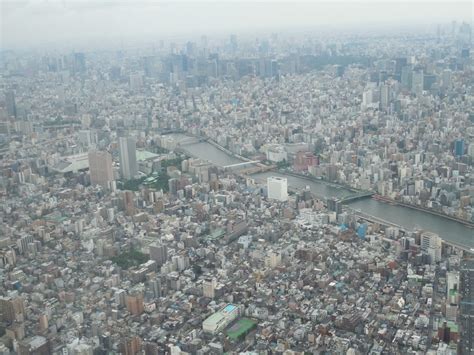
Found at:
<point>129,259</point>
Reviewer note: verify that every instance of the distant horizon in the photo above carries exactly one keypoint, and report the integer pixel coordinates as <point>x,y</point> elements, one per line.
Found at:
<point>315,32</point>
<point>81,24</point>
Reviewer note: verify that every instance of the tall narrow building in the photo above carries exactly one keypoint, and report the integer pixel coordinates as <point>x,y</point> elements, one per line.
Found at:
<point>431,244</point>
<point>158,253</point>
<point>10,103</point>
<point>128,157</point>
<point>100,168</point>
<point>417,82</point>
<point>384,96</point>
<point>466,307</point>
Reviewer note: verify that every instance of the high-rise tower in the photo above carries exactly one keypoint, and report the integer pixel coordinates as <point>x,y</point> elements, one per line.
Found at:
<point>128,157</point>
<point>100,168</point>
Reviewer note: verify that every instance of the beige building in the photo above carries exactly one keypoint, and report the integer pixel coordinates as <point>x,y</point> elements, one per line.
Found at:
<point>100,168</point>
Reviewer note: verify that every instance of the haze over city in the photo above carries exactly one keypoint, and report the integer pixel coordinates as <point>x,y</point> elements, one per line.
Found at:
<point>236,177</point>
<point>83,23</point>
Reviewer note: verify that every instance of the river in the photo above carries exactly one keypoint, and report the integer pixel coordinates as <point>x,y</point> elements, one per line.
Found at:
<point>408,218</point>
<point>207,151</point>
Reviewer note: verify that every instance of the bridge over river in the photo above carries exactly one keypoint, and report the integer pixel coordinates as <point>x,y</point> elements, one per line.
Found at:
<point>451,231</point>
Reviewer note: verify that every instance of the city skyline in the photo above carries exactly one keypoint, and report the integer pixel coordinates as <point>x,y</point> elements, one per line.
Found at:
<point>236,178</point>
<point>90,24</point>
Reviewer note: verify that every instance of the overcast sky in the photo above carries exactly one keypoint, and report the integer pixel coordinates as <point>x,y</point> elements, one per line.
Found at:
<point>28,23</point>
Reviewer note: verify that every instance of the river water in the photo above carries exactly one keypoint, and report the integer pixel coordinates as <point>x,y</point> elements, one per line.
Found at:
<point>207,151</point>
<point>403,216</point>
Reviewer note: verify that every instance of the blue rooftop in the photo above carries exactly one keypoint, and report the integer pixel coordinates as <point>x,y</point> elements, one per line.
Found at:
<point>229,308</point>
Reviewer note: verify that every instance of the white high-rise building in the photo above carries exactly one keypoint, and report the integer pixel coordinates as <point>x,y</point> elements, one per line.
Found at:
<point>209,288</point>
<point>384,96</point>
<point>431,244</point>
<point>128,157</point>
<point>277,188</point>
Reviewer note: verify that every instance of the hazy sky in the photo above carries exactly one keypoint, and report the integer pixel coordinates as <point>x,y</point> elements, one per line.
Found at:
<point>26,23</point>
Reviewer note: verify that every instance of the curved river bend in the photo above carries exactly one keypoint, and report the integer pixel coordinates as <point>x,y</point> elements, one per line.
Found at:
<point>449,230</point>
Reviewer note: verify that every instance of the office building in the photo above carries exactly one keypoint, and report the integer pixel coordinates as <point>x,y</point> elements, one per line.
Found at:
<point>36,345</point>
<point>159,253</point>
<point>128,157</point>
<point>12,309</point>
<point>79,63</point>
<point>134,303</point>
<point>384,96</point>
<point>428,81</point>
<point>100,168</point>
<point>131,346</point>
<point>208,288</point>
<point>406,77</point>
<point>459,147</point>
<point>274,70</point>
<point>470,150</point>
<point>155,286</point>
<point>399,64</point>
<point>334,205</point>
<point>129,202</point>
<point>277,188</point>
<point>10,103</point>
<point>304,160</point>
<point>431,244</point>
<point>273,259</point>
<point>466,309</point>
<point>277,154</point>
<point>417,82</point>
<point>173,186</point>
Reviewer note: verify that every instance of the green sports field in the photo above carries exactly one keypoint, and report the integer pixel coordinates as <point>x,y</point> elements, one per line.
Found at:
<point>243,326</point>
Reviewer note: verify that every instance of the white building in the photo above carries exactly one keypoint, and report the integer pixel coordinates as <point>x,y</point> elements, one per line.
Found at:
<point>273,259</point>
<point>470,150</point>
<point>209,288</point>
<point>277,154</point>
<point>277,188</point>
<point>431,244</point>
<point>128,157</point>
<point>220,319</point>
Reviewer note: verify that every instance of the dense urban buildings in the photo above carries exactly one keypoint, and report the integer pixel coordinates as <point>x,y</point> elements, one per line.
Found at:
<point>467,306</point>
<point>286,193</point>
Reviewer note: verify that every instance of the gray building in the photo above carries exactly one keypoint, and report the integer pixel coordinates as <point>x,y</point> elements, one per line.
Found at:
<point>466,344</point>
<point>417,82</point>
<point>10,103</point>
<point>159,253</point>
<point>128,157</point>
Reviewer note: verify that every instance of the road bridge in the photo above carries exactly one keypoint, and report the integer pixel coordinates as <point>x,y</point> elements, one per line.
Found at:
<point>245,163</point>
<point>357,196</point>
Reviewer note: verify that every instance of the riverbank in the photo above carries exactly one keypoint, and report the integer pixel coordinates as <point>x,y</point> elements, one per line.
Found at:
<point>424,209</point>
<point>373,219</point>
<point>449,229</point>
<point>321,181</point>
